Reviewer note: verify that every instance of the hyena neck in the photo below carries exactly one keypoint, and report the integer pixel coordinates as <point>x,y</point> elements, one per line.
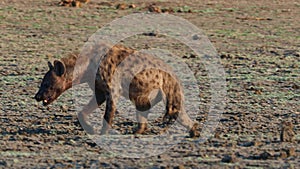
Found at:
<point>70,62</point>
<point>79,67</point>
<point>82,67</point>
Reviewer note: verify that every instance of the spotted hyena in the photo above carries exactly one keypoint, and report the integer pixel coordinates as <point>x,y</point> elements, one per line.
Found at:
<point>124,72</point>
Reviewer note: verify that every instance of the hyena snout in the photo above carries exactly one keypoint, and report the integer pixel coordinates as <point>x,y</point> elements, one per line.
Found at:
<point>38,96</point>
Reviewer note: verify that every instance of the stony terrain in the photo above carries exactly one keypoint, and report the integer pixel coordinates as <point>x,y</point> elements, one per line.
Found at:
<point>259,46</point>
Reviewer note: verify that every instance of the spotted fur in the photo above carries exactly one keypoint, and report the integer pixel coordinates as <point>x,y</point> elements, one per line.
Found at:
<point>141,78</point>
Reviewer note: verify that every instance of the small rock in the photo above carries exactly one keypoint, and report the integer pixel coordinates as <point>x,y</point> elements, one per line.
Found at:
<point>196,37</point>
<point>286,10</point>
<point>60,137</point>
<point>121,6</point>
<point>258,91</point>
<point>287,133</point>
<point>163,156</point>
<point>72,142</point>
<point>3,163</point>
<point>229,159</point>
<point>283,154</point>
<point>246,144</point>
<point>179,167</point>
<point>49,56</point>
<point>218,135</point>
<point>153,33</point>
<point>257,143</point>
<point>295,86</point>
<point>64,108</point>
<point>265,155</point>
<point>77,4</point>
<point>236,118</point>
<point>153,8</point>
<point>72,3</point>
<point>167,10</point>
<point>180,10</point>
<point>132,6</point>
<point>193,56</point>
<point>291,152</point>
<point>164,167</point>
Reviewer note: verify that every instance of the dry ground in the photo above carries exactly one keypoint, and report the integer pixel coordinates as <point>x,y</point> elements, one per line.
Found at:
<point>259,45</point>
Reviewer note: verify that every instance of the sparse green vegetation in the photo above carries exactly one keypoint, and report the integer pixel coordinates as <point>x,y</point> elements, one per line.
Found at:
<point>259,50</point>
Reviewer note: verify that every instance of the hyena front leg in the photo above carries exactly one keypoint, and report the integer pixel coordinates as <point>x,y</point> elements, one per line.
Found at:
<point>94,103</point>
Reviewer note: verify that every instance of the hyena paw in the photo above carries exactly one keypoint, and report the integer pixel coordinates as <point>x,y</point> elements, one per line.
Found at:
<point>85,125</point>
<point>167,119</point>
<point>140,129</point>
<point>170,118</point>
<point>104,131</point>
<point>89,129</point>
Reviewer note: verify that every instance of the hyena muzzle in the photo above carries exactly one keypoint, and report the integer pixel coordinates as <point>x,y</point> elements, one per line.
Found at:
<point>147,88</point>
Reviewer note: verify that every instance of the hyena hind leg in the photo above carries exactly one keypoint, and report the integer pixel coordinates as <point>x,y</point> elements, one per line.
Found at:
<point>142,122</point>
<point>110,110</point>
<point>176,113</point>
<point>189,124</point>
<point>143,105</point>
<point>182,118</point>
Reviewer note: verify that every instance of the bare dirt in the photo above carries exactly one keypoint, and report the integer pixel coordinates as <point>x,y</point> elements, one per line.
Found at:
<point>259,45</point>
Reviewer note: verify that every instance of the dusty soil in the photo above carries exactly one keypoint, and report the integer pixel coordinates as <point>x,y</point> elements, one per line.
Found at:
<point>259,45</point>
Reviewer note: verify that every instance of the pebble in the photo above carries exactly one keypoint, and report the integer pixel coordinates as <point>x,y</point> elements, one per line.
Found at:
<point>229,159</point>
<point>287,132</point>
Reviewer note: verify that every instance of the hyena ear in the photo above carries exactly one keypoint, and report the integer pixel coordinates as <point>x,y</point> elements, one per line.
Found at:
<point>59,68</point>
<point>50,65</point>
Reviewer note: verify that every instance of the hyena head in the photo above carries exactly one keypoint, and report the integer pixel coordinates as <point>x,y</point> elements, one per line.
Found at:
<point>54,83</point>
